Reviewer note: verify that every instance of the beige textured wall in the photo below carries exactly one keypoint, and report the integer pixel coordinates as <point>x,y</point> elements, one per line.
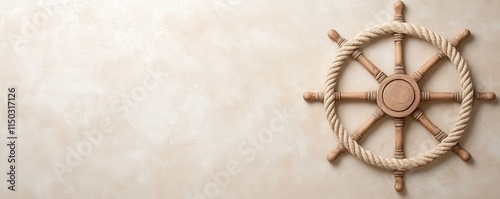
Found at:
<point>175,99</point>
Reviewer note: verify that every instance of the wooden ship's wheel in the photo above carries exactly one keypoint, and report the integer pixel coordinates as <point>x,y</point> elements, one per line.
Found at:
<point>399,96</point>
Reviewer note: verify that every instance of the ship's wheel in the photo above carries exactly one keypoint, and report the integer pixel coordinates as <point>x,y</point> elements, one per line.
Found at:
<point>399,96</point>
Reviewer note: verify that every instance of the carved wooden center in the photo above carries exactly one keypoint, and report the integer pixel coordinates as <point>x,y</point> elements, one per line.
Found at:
<point>398,95</point>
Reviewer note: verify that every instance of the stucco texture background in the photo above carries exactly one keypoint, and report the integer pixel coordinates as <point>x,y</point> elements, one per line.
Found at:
<point>203,99</point>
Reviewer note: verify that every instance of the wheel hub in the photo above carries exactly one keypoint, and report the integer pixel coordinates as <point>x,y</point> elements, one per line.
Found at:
<point>398,95</point>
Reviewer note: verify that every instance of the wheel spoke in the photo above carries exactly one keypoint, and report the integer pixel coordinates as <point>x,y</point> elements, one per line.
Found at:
<point>399,122</point>
<point>319,96</point>
<point>454,96</point>
<point>399,152</point>
<point>399,8</point>
<point>417,76</point>
<point>358,56</point>
<point>399,63</point>
<point>439,134</point>
<point>358,134</point>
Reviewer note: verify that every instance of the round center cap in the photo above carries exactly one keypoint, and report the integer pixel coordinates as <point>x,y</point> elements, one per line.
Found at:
<point>398,95</point>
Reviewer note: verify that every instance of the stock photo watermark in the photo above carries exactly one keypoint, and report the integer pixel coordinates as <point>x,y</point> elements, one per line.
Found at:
<point>382,16</point>
<point>11,138</point>
<point>120,109</point>
<point>248,148</point>
<point>223,6</point>
<point>32,24</point>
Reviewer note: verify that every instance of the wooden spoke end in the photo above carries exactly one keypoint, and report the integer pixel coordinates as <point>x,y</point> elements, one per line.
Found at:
<point>399,181</point>
<point>335,36</point>
<point>486,96</point>
<point>313,96</point>
<point>399,8</point>
<point>465,156</point>
<point>399,184</point>
<point>461,37</point>
<point>462,153</point>
<point>335,154</point>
